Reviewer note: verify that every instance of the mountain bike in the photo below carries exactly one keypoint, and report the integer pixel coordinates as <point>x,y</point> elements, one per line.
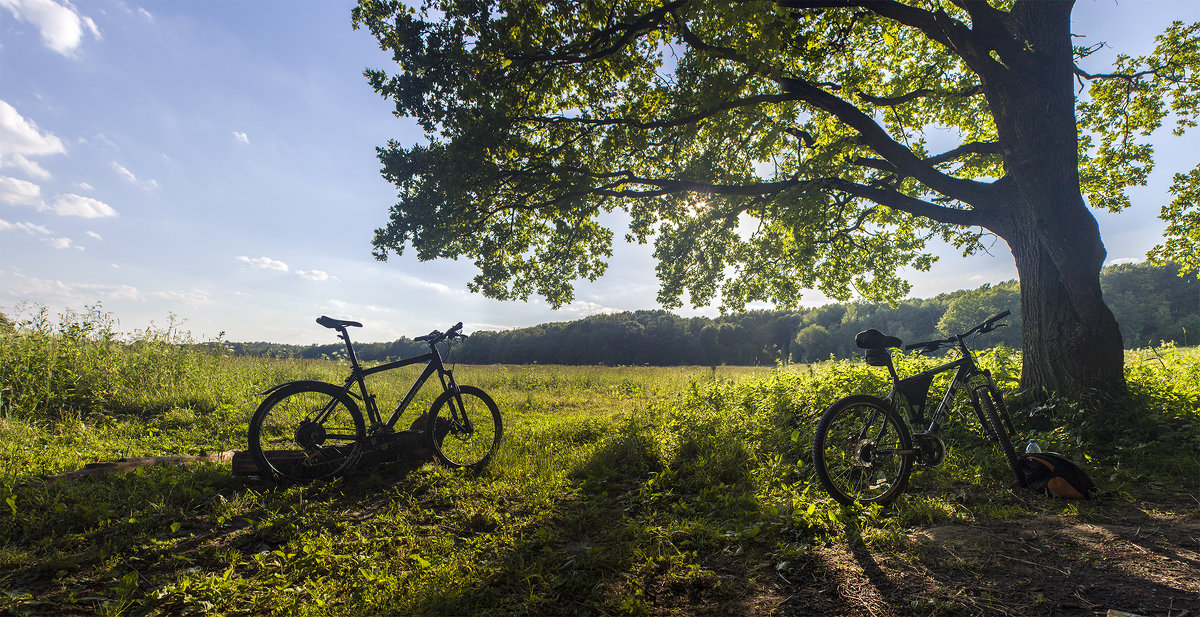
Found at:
<point>864,450</point>
<point>314,430</point>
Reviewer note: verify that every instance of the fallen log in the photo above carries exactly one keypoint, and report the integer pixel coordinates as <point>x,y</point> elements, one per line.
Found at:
<point>105,468</point>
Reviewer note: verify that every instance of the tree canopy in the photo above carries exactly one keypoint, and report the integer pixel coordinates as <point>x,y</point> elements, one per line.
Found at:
<point>767,148</point>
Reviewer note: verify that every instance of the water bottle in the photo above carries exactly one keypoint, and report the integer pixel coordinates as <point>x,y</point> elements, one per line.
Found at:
<point>1033,447</point>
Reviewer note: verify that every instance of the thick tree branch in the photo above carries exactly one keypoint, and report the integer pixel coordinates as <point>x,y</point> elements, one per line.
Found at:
<point>891,101</point>
<point>970,45</point>
<point>974,147</point>
<point>975,193</point>
<point>904,203</point>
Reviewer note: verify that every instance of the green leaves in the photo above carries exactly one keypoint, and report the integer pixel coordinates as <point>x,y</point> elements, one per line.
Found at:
<point>764,150</point>
<point>1182,243</point>
<point>1125,106</point>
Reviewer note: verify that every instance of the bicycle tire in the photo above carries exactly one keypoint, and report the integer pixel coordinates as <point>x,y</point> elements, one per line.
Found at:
<point>846,451</point>
<point>985,396</point>
<point>464,440</point>
<point>286,443</point>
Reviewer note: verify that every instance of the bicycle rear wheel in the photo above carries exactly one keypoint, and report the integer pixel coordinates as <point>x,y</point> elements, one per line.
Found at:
<point>307,431</point>
<point>862,451</point>
<point>465,435</point>
<point>990,407</point>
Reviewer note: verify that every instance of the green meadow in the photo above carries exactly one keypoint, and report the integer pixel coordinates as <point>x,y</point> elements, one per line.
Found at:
<point>617,490</point>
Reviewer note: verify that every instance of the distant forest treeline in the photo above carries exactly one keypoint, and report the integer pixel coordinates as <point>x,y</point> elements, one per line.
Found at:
<point>1151,303</point>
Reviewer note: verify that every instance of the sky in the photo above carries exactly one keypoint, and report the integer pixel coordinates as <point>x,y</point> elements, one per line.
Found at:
<point>215,161</point>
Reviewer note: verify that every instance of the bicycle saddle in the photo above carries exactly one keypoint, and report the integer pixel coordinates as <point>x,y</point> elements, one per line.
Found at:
<point>330,322</point>
<point>874,339</point>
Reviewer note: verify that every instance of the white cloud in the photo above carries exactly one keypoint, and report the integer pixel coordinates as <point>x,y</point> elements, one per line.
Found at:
<point>94,235</point>
<point>20,192</point>
<point>71,204</point>
<point>241,137</point>
<point>60,243</point>
<point>20,139</point>
<point>1123,260</point>
<point>30,168</point>
<point>23,287</point>
<point>128,175</point>
<point>191,298</point>
<point>21,136</point>
<point>416,282</point>
<point>583,309</point>
<point>313,275</point>
<point>28,228</point>
<point>85,186</point>
<point>145,14</point>
<point>263,263</point>
<point>24,193</point>
<point>61,26</point>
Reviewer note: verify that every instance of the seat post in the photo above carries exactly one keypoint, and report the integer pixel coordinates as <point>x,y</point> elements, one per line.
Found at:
<point>345,334</point>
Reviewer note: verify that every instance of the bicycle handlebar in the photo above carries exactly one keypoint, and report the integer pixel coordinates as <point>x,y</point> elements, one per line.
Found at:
<point>436,337</point>
<point>988,325</point>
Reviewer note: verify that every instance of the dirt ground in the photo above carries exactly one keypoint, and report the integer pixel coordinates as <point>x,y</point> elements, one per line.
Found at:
<point>1111,560</point>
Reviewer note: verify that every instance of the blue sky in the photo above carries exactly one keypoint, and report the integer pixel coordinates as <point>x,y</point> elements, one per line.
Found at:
<point>216,160</point>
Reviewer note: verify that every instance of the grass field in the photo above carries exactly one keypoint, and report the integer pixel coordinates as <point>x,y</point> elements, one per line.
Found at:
<point>627,490</point>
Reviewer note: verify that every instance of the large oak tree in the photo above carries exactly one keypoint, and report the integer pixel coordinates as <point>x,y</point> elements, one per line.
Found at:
<point>771,147</point>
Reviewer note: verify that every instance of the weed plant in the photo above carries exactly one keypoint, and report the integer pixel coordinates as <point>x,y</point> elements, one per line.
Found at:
<point>627,490</point>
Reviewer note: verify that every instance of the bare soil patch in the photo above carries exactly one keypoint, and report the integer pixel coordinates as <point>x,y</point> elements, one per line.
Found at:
<point>1126,557</point>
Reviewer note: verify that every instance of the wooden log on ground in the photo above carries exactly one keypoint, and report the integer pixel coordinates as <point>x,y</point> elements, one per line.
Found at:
<point>379,449</point>
<point>105,468</point>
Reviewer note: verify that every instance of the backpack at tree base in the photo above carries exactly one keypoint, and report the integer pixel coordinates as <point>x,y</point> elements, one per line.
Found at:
<point>1052,474</point>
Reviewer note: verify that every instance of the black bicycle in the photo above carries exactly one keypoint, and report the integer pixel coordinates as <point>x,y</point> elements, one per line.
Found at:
<point>864,449</point>
<point>313,430</point>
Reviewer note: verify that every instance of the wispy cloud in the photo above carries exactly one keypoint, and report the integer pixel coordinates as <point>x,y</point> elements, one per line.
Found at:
<point>29,228</point>
<point>128,175</point>
<point>61,26</point>
<point>417,282</point>
<point>18,286</point>
<point>61,243</point>
<point>30,168</point>
<point>93,235</point>
<point>583,309</point>
<point>263,263</point>
<point>71,204</point>
<point>20,192</point>
<point>191,298</point>
<point>241,137</point>
<point>313,275</point>
<point>20,138</point>
<point>1123,260</point>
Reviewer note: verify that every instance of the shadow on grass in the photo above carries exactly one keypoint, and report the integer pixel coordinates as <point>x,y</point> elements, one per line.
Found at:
<point>619,532</point>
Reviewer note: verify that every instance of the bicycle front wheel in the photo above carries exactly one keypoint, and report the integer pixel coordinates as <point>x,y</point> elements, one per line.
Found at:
<point>990,407</point>
<point>862,451</point>
<point>307,431</point>
<point>464,429</point>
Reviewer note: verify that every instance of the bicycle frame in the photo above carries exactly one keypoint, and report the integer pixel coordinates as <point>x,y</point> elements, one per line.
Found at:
<point>358,376</point>
<point>918,385</point>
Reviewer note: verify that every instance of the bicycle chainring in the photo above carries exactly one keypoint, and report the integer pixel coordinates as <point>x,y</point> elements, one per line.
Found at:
<point>931,450</point>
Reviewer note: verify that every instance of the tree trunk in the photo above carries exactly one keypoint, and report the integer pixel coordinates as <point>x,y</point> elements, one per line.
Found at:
<point>1071,341</point>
